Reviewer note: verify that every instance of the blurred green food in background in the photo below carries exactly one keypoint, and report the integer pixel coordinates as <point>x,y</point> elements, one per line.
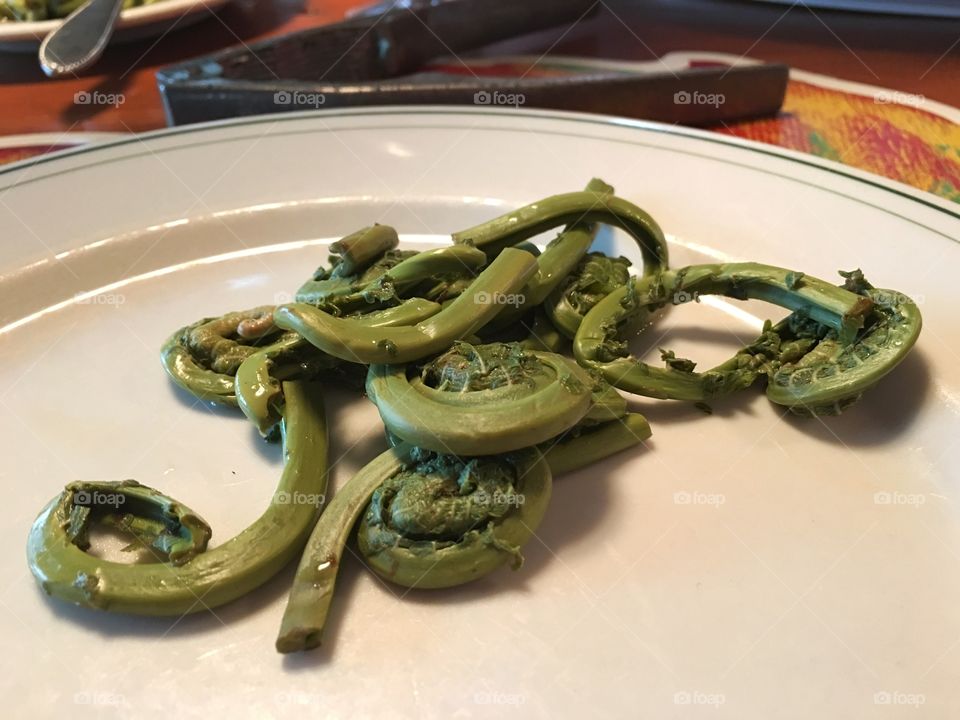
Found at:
<point>35,10</point>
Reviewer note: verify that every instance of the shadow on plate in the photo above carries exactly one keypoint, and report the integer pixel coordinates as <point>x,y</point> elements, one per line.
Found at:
<point>202,622</point>
<point>883,414</point>
<point>580,501</point>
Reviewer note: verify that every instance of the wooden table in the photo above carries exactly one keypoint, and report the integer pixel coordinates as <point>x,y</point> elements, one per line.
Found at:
<point>912,55</point>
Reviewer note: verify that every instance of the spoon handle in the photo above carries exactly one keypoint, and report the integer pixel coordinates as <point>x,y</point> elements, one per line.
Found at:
<point>80,40</point>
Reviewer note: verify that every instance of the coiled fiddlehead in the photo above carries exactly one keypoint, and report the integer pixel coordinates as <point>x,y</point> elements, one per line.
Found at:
<point>594,277</point>
<point>203,357</point>
<point>597,342</point>
<point>481,400</point>
<point>583,207</point>
<point>432,274</point>
<point>459,319</point>
<point>431,521</point>
<point>819,375</point>
<point>189,578</point>
<point>258,379</point>
<point>554,264</point>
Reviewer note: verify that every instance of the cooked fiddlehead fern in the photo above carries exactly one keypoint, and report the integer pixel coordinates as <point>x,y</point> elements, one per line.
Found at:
<point>431,521</point>
<point>818,375</point>
<point>203,357</point>
<point>481,399</point>
<point>258,379</point>
<point>597,342</point>
<point>594,277</point>
<point>431,274</point>
<point>554,264</point>
<point>461,318</point>
<point>190,578</point>
<point>579,207</point>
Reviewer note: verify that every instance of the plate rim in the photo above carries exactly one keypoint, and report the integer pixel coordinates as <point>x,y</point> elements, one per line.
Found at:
<point>877,181</point>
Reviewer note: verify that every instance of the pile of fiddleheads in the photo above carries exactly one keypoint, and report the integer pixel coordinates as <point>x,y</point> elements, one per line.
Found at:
<point>494,366</point>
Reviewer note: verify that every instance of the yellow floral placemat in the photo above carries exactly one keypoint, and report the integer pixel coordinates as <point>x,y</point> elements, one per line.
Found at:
<point>901,136</point>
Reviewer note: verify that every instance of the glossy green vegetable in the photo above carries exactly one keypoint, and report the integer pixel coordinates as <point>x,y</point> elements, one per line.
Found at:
<point>466,350</point>
<point>431,274</point>
<point>597,343</point>
<point>594,277</point>
<point>189,578</point>
<point>554,264</point>
<point>259,377</point>
<point>829,376</point>
<point>431,521</point>
<point>313,585</point>
<point>481,400</point>
<point>37,10</point>
<point>203,358</point>
<point>459,319</point>
<point>592,443</point>
<point>580,207</point>
<point>449,520</point>
<point>544,336</point>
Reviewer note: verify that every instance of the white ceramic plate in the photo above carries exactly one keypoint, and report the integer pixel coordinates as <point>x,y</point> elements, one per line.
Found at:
<point>134,24</point>
<point>742,565</point>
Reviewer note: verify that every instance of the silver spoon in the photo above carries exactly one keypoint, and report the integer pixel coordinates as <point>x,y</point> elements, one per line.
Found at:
<point>80,39</point>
